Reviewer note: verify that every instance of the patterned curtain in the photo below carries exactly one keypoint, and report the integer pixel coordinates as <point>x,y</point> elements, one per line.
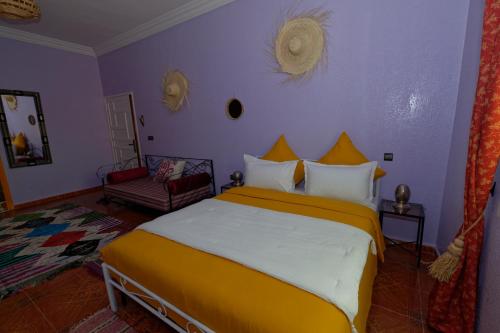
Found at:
<point>452,305</point>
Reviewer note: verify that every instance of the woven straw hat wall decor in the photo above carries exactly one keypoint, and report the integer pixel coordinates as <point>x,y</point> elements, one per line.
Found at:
<point>19,10</point>
<point>175,89</point>
<point>300,43</point>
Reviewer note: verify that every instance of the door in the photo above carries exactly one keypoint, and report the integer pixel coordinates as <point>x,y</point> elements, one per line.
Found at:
<point>123,130</point>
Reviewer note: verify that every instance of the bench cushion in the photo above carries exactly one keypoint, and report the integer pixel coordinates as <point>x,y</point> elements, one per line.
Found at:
<point>189,183</point>
<point>117,177</point>
<point>146,192</point>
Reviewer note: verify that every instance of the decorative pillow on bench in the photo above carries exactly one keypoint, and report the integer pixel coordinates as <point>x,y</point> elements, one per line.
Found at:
<point>189,183</point>
<point>169,170</point>
<point>117,177</point>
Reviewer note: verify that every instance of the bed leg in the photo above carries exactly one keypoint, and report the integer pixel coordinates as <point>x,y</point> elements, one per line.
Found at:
<point>123,298</point>
<point>109,288</point>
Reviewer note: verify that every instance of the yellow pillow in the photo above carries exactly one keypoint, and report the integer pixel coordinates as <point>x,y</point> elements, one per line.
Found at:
<point>345,152</point>
<point>282,152</point>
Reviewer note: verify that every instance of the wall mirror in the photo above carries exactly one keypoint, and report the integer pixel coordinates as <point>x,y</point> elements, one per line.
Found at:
<point>23,128</point>
<point>234,108</point>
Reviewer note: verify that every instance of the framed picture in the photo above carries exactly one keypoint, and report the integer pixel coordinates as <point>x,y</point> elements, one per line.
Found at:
<point>23,128</point>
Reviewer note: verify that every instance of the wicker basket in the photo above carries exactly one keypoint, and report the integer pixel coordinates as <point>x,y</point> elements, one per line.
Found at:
<point>19,9</point>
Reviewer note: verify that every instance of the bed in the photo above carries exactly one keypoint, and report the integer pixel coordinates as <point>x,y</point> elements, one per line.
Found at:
<point>194,288</point>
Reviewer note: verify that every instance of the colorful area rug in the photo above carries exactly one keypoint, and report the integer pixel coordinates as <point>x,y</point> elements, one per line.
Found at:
<point>103,321</point>
<point>37,245</point>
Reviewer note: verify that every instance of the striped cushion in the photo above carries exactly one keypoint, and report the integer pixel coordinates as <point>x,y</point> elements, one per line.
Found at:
<point>146,192</point>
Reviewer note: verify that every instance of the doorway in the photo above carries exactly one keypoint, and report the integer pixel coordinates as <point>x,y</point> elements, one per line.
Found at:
<point>123,130</point>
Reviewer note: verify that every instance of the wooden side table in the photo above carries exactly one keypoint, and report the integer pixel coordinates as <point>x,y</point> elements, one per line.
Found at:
<point>415,212</point>
<point>228,186</point>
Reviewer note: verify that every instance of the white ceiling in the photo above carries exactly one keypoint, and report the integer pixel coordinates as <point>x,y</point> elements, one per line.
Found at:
<point>105,25</point>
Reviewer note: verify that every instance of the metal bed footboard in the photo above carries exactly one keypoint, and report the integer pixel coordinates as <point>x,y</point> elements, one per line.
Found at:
<point>161,312</point>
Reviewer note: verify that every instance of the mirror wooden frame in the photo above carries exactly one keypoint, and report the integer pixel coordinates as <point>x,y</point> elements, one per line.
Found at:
<point>46,157</point>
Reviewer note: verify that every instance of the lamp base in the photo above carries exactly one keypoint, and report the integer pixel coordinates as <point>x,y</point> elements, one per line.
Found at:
<point>401,207</point>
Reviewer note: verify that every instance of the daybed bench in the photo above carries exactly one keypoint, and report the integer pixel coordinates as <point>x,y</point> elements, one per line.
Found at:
<point>138,184</point>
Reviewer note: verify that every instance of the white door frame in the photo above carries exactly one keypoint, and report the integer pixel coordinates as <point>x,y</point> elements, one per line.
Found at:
<point>134,120</point>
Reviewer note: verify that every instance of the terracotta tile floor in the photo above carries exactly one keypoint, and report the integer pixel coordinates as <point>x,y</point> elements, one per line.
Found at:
<point>399,296</point>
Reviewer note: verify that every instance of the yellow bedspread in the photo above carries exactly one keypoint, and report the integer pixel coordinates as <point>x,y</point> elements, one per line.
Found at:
<point>228,297</point>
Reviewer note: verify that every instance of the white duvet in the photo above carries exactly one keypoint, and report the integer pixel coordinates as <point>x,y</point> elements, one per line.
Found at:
<point>322,257</point>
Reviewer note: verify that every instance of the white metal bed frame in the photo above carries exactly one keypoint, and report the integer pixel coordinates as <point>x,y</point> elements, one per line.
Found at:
<point>161,312</point>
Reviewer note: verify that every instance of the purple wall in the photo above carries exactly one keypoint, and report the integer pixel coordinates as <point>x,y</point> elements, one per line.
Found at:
<point>453,199</point>
<point>391,82</point>
<point>489,289</point>
<point>72,102</point>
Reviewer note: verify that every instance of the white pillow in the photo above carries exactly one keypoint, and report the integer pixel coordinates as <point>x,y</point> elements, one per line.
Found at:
<point>269,174</point>
<point>178,169</point>
<point>345,182</point>
<point>169,170</point>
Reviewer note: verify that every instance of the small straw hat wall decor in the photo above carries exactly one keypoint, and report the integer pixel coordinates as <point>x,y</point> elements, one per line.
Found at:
<point>300,44</point>
<point>19,10</point>
<point>175,89</point>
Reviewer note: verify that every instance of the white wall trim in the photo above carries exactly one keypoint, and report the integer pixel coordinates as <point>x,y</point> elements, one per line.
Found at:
<point>173,17</point>
<point>32,38</point>
<point>176,16</point>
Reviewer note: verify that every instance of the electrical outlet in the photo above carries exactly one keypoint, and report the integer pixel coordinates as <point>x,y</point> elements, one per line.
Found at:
<point>151,138</point>
<point>388,156</point>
